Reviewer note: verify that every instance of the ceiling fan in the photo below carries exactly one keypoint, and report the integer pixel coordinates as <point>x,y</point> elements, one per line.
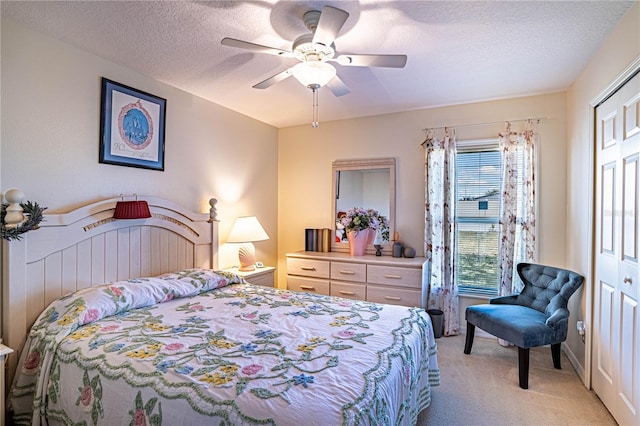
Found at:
<point>315,50</point>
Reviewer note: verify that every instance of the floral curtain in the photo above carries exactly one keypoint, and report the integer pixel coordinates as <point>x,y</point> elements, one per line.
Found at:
<point>440,227</point>
<point>517,207</point>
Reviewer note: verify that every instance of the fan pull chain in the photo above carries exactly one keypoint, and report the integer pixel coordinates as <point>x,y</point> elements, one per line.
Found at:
<point>314,122</point>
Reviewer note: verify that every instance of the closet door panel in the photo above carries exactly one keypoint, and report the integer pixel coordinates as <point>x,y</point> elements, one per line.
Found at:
<point>616,329</point>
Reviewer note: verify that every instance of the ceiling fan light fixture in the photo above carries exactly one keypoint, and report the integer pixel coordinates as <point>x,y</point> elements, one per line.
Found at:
<point>313,74</point>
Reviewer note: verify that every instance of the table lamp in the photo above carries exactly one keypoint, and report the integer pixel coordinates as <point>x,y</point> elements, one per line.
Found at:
<point>246,230</point>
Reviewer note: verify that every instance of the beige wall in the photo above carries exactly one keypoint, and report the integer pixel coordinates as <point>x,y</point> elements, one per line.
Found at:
<point>305,157</point>
<point>50,131</point>
<point>616,54</point>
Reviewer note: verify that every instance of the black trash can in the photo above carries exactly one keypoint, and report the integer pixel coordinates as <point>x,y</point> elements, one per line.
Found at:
<point>436,316</point>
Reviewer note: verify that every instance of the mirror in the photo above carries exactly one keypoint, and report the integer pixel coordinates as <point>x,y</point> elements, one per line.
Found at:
<point>367,183</point>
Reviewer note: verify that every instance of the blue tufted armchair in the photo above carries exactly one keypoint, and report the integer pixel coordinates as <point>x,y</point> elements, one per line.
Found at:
<point>537,316</point>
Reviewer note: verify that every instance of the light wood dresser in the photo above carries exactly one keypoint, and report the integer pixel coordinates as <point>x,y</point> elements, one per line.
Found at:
<point>380,279</point>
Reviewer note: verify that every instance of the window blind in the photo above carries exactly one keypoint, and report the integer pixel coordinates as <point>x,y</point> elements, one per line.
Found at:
<point>478,182</point>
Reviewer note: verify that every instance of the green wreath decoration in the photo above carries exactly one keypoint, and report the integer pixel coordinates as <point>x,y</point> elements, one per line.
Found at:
<point>33,213</point>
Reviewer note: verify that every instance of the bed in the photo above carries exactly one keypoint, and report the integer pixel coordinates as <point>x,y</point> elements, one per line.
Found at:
<point>130,322</point>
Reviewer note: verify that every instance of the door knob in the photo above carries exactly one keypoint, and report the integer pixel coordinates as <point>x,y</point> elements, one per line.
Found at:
<point>627,280</point>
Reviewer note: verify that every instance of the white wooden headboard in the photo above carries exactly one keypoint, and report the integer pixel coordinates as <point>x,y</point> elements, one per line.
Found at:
<point>87,247</point>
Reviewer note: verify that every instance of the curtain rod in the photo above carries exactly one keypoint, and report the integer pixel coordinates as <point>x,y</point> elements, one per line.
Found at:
<point>538,119</point>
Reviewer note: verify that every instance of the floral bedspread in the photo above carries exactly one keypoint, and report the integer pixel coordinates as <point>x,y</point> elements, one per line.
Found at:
<point>203,347</point>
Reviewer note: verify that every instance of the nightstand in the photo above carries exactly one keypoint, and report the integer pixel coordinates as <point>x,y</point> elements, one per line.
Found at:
<point>264,276</point>
<point>4,352</point>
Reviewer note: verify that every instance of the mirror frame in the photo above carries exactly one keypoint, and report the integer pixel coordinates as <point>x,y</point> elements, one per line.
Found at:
<point>365,164</point>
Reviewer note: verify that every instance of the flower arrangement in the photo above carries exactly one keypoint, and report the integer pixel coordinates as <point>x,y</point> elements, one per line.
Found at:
<point>359,219</point>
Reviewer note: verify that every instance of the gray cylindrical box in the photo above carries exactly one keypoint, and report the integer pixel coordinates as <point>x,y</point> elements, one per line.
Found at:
<point>396,249</point>
<point>437,317</point>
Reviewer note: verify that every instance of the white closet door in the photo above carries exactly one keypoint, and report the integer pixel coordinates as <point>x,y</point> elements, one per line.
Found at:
<point>616,328</point>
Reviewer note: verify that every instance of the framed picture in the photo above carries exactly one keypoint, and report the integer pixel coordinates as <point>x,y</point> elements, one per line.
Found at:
<point>132,126</point>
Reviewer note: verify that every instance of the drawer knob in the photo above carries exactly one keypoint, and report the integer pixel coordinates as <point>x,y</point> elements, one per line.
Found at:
<point>348,293</point>
<point>307,268</point>
<point>307,287</point>
<point>347,272</point>
<point>396,277</point>
<point>392,298</point>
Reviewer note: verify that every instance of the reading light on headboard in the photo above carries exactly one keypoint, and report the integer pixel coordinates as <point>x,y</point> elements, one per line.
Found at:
<point>131,209</point>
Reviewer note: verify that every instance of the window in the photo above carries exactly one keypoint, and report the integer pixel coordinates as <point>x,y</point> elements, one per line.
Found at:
<point>478,182</point>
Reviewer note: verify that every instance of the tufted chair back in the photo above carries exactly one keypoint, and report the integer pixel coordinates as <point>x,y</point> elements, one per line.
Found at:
<point>546,288</point>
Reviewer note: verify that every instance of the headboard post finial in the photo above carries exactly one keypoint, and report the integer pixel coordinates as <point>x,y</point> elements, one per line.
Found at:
<point>213,212</point>
<point>14,217</point>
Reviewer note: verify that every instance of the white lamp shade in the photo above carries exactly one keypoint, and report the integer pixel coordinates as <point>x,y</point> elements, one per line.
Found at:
<point>247,229</point>
<point>313,73</point>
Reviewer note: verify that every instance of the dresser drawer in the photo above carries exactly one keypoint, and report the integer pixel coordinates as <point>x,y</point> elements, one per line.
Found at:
<point>308,267</point>
<point>349,290</point>
<point>394,296</point>
<point>394,275</point>
<point>349,271</point>
<point>308,285</point>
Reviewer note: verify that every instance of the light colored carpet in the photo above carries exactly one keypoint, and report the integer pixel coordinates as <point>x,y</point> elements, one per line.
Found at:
<point>482,389</point>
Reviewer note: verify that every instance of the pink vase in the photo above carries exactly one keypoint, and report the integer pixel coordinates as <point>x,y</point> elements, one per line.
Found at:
<point>358,242</point>
<point>372,235</point>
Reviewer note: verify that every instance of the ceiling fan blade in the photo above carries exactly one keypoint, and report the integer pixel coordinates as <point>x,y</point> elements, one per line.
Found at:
<point>273,79</point>
<point>329,25</point>
<point>232,42</point>
<point>337,86</point>
<point>389,61</point>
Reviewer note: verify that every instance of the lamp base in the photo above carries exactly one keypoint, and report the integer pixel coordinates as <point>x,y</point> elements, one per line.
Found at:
<point>247,257</point>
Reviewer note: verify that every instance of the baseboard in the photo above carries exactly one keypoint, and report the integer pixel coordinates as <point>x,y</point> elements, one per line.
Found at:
<point>579,369</point>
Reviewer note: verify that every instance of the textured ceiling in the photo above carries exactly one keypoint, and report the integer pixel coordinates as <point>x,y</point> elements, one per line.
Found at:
<point>458,51</point>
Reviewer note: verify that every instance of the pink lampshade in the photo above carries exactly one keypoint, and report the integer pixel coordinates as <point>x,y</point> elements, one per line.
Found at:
<point>131,210</point>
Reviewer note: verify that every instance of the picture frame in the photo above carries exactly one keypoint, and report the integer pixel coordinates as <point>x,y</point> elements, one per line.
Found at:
<point>132,127</point>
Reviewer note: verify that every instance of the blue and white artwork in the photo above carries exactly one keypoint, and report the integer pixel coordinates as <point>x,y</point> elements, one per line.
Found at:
<point>133,127</point>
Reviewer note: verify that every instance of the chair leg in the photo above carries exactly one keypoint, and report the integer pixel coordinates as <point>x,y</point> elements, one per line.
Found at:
<point>555,354</point>
<point>469,339</point>
<point>523,367</point>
